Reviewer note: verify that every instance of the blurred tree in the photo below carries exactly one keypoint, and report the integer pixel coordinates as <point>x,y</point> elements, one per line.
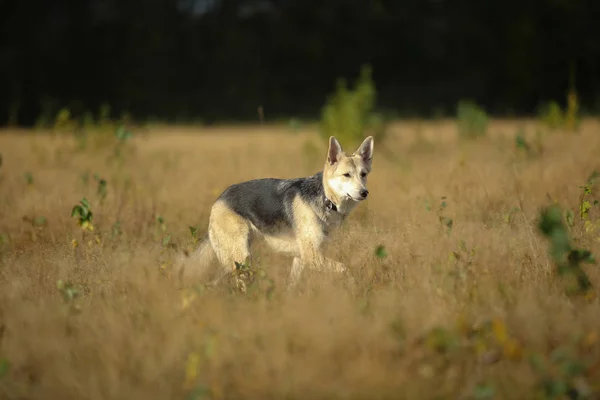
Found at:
<point>222,59</point>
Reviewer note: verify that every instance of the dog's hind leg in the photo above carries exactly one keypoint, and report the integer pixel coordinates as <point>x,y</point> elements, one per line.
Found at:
<point>229,235</point>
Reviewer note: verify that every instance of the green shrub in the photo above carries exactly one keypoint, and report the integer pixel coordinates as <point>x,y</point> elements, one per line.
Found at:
<point>551,115</point>
<point>555,118</point>
<point>348,113</point>
<point>472,120</point>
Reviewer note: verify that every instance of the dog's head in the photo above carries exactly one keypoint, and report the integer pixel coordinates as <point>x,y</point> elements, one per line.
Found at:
<point>346,175</point>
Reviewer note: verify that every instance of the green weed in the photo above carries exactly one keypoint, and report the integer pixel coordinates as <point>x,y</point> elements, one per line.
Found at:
<point>568,260</point>
<point>348,113</point>
<point>472,120</point>
<point>83,213</point>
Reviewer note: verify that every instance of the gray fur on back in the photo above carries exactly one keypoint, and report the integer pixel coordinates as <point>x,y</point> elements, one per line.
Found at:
<point>267,202</point>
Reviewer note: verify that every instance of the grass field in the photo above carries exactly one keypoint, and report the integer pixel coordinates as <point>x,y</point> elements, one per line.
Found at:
<point>468,309</point>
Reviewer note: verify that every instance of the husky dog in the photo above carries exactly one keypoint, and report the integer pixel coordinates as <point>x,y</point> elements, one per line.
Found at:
<point>293,216</point>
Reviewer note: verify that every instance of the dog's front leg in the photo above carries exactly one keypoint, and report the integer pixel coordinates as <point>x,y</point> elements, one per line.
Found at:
<point>313,258</point>
<point>296,272</point>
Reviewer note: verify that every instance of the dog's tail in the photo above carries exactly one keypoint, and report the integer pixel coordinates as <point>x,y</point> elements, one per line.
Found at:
<point>197,263</point>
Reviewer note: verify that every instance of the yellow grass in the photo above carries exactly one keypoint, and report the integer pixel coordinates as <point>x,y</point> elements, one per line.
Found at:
<point>134,333</point>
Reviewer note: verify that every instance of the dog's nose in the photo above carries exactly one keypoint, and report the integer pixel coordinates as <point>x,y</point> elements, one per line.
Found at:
<point>364,192</point>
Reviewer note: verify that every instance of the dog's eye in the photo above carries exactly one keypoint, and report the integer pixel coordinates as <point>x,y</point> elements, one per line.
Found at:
<point>347,175</point>
<point>363,174</point>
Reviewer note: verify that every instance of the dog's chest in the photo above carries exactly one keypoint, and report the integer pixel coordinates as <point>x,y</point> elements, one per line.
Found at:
<point>332,220</point>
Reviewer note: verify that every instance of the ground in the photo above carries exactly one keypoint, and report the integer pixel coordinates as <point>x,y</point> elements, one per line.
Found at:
<point>455,294</point>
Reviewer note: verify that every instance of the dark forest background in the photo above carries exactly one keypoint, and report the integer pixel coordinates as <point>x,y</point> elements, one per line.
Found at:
<point>186,60</point>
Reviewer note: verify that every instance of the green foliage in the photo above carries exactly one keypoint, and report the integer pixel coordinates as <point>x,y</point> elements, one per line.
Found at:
<point>551,115</point>
<point>587,203</point>
<point>84,215</point>
<point>200,392</point>
<point>561,375</point>
<point>348,113</point>
<point>116,231</point>
<point>445,221</point>
<point>381,252</point>
<point>163,234</point>
<point>572,118</point>
<point>37,224</point>
<point>194,232</point>
<point>472,120</point>
<point>295,125</point>
<point>122,136</point>
<point>4,367</point>
<point>484,392</point>
<point>584,203</point>
<point>102,188</point>
<point>508,217</point>
<point>29,178</point>
<point>63,122</point>
<point>251,281</point>
<point>68,291</point>
<point>567,259</point>
<point>530,148</point>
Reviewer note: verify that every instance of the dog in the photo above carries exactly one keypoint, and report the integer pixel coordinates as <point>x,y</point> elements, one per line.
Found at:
<point>293,216</point>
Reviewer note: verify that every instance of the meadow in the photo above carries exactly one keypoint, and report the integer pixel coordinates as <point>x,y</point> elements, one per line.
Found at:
<point>456,294</point>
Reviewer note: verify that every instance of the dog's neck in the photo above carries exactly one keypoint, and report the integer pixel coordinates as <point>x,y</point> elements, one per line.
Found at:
<point>334,203</point>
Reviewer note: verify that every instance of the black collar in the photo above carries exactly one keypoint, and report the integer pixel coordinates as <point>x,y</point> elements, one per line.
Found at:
<point>329,205</point>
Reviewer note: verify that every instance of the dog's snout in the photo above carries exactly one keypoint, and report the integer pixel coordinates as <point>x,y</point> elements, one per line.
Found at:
<point>364,192</point>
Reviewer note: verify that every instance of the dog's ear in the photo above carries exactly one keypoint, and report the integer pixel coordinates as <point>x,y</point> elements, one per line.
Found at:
<point>335,151</point>
<point>365,151</point>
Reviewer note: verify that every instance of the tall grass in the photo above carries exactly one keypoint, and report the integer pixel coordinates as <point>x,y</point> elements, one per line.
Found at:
<point>456,294</point>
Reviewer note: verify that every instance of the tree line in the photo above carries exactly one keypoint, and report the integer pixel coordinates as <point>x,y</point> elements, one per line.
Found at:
<point>212,60</point>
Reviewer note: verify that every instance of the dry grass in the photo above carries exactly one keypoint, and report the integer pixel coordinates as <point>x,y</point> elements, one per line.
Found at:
<point>134,334</point>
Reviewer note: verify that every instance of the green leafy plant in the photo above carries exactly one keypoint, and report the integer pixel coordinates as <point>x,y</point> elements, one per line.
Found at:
<point>484,392</point>
<point>250,280</point>
<point>4,242</point>
<point>4,367</point>
<point>572,118</point>
<point>102,188</point>
<point>561,375</point>
<point>116,230</point>
<point>83,213</point>
<point>194,234</point>
<point>165,237</point>
<point>295,125</point>
<point>381,252</point>
<point>472,120</point>
<point>37,224</point>
<point>551,115</point>
<point>585,204</point>
<point>63,122</point>
<point>348,113</point>
<point>529,148</point>
<point>445,221</point>
<point>122,136</point>
<point>567,259</point>
<point>68,291</point>
<point>508,217</point>
<point>29,178</point>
